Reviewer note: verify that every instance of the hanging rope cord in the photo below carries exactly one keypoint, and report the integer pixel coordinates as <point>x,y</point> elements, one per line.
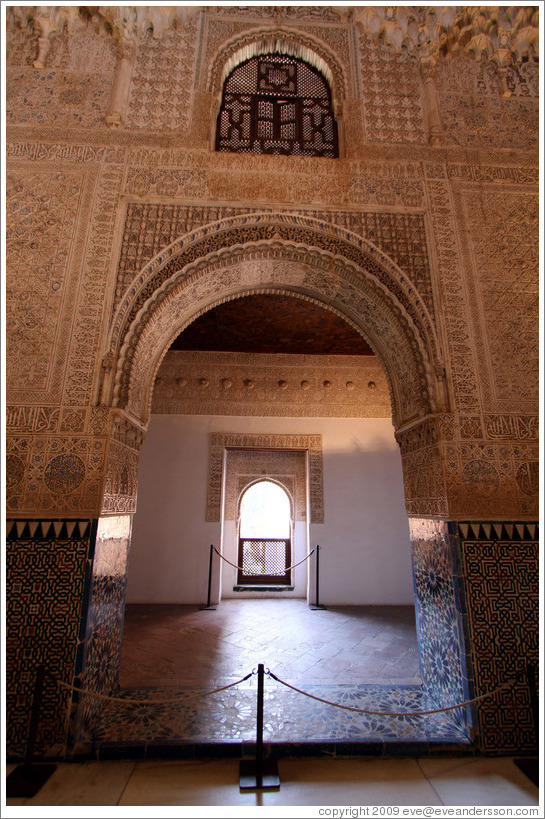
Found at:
<point>393,713</point>
<point>287,569</point>
<point>186,695</point>
<point>199,695</point>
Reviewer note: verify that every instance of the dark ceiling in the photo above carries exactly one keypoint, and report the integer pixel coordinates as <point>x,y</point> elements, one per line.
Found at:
<point>272,324</point>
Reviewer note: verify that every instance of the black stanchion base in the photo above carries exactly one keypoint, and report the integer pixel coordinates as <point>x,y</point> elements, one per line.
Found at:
<point>314,607</point>
<point>529,766</point>
<point>208,608</point>
<point>26,780</point>
<point>249,778</point>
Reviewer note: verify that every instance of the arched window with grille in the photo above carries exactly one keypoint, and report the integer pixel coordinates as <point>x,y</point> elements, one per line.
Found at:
<point>264,535</point>
<point>277,104</point>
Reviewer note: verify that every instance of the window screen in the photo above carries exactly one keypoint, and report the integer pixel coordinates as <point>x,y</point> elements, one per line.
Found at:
<point>276,104</point>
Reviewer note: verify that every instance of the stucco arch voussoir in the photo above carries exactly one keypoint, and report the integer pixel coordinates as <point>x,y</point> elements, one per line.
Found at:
<point>295,43</point>
<point>272,267</point>
<point>281,233</point>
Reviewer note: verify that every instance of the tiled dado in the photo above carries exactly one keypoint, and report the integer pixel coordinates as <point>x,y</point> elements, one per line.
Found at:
<point>66,593</point>
<point>477,609</point>
<point>105,616</point>
<point>500,573</point>
<point>48,581</point>
<point>441,642</point>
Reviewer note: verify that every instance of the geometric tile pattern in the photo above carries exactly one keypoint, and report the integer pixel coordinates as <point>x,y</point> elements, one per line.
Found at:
<point>47,578</point>
<point>501,573</point>
<point>230,716</point>
<point>357,656</point>
<point>439,616</point>
<point>104,626</point>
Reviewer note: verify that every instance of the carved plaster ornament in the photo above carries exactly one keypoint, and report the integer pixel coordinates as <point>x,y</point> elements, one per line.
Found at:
<point>449,30</point>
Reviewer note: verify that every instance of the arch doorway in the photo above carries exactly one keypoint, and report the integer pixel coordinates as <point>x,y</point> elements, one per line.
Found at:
<point>292,257</point>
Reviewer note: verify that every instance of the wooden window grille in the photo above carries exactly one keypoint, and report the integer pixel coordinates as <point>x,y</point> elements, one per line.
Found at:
<point>264,561</point>
<point>276,104</point>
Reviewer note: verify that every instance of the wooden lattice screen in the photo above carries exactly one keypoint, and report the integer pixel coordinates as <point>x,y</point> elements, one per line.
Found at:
<point>276,104</point>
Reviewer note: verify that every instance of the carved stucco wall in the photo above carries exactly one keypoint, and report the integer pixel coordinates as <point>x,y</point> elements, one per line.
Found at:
<point>278,253</point>
<point>287,468</point>
<point>458,223</point>
<point>272,385</point>
<point>445,194</point>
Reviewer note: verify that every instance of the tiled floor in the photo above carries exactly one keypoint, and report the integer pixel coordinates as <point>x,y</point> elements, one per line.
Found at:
<point>311,783</point>
<point>182,645</point>
<point>353,657</point>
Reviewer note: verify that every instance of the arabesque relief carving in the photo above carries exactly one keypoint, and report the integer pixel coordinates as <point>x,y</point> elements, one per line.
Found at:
<point>150,228</point>
<point>245,467</point>
<point>123,225</point>
<point>124,198</point>
<point>268,450</point>
<point>170,270</point>
<point>502,255</point>
<point>271,385</point>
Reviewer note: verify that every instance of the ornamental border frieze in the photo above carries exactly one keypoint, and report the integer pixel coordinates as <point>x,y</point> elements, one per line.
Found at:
<point>452,291</point>
<point>271,385</point>
<point>516,174</point>
<point>87,326</point>
<point>64,152</point>
<point>512,427</point>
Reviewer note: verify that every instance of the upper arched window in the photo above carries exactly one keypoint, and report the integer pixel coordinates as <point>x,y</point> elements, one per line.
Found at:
<point>265,511</point>
<point>277,104</point>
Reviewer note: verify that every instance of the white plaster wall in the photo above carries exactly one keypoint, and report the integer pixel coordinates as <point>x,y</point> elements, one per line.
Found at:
<point>365,556</point>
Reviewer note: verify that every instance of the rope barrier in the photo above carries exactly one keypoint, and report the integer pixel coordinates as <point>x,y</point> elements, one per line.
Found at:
<point>392,713</point>
<point>129,700</point>
<point>188,695</point>
<point>241,568</point>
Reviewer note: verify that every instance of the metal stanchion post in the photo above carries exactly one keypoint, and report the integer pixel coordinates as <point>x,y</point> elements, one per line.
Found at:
<point>316,605</point>
<point>27,779</point>
<point>208,607</point>
<point>259,774</point>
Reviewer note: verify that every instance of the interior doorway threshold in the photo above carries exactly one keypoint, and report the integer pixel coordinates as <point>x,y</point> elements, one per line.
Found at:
<point>224,724</point>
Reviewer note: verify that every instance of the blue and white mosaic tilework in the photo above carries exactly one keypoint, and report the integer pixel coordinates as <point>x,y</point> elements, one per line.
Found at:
<point>289,717</point>
<point>439,619</point>
<point>106,611</point>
